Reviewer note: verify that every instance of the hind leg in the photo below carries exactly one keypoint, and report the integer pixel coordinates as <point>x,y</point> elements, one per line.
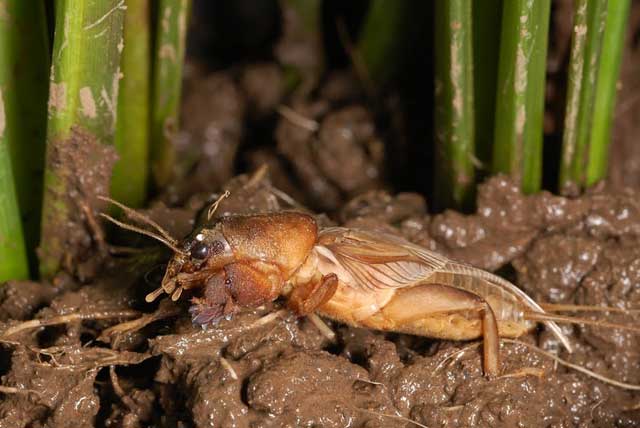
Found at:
<point>445,312</point>
<point>491,341</point>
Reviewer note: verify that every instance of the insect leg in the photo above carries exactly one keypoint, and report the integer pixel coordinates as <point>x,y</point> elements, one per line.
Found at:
<point>444,312</point>
<point>305,298</point>
<point>215,304</point>
<point>491,341</point>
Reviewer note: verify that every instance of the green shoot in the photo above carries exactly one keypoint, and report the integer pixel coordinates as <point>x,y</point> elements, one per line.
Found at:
<point>454,102</point>
<point>520,94</point>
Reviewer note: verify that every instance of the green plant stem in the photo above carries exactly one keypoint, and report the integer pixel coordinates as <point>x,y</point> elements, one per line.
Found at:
<point>612,47</point>
<point>168,65</point>
<point>520,94</point>
<point>13,253</point>
<point>83,96</point>
<point>574,90</point>
<point>486,49</point>
<point>24,66</point>
<point>588,29</point>
<point>85,74</point>
<point>129,180</point>
<point>381,37</point>
<point>454,102</point>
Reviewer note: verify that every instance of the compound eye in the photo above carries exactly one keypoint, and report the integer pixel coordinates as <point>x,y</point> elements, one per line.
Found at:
<point>199,250</point>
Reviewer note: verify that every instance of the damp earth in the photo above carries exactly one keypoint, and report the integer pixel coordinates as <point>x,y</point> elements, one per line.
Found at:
<point>93,353</point>
<point>85,349</point>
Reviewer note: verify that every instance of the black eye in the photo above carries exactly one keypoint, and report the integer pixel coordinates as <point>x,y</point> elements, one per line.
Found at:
<point>199,250</point>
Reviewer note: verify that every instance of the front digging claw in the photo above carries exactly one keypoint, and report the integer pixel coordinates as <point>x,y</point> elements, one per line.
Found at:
<point>216,304</point>
<point>203,315</point>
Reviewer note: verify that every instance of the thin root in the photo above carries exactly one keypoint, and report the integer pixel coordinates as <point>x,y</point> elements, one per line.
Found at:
<point>398,417</point>
<point>227,366</point>
<point>297,119</point>
<point>115,383</point>
<point>372,382</point>
<point>268,318</point>
<point>287,199</point>
<point>63,319</point>
<point>631,408</point>
<point>85,358</point>
<point>456,355</point>
<point>164,311</point>
<point>98,233</point>
<point>257,176</point>
<point>214,207</point>
<point>576,367</point>
<point>17,391</point>
<point>524,372</point>
<point>322,326</point>
<point>119,391</point>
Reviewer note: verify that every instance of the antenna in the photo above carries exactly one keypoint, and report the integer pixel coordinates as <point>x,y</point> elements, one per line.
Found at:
<point>214,206</point>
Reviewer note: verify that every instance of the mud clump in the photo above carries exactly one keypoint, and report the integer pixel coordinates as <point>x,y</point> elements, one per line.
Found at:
<point>48,393</point>
<point>149,366</point>
<point>212,116</point>
<point>323,147</point>
<point>318,144</point>
<point>263,85</point>
<point>83,171</point>
<point>19,300</point>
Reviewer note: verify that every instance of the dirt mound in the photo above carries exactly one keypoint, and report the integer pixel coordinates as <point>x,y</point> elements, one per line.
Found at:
<point>156,369</point>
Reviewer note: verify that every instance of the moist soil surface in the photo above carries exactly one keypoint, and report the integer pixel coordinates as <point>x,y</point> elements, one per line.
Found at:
<point>85,349</point>
<point>95,354</point>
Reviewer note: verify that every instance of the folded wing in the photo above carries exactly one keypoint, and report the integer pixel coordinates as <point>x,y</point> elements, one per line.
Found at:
<point>375,261</point>
<point>378,260</point>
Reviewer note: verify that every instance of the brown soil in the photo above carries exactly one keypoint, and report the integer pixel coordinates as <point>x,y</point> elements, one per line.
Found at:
<point>163,371</point>
<point>86,350</point>
<point>83,170</point>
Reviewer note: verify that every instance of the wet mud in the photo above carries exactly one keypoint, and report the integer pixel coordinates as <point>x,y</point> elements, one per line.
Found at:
<point>126,363</point>
<point>82,168</point>
<point>86,349</point>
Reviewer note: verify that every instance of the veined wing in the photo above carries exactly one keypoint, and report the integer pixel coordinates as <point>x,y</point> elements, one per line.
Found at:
<point>377,260</point>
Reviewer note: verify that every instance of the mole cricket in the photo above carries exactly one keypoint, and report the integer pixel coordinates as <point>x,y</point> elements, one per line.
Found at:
<point>361,278</point>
